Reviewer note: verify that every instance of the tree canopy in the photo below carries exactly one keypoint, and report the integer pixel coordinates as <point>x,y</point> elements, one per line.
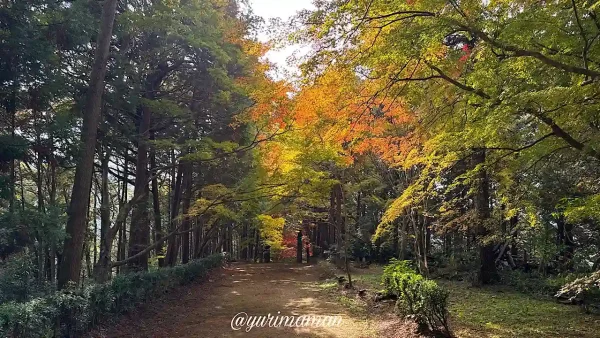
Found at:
<point>142,134</point>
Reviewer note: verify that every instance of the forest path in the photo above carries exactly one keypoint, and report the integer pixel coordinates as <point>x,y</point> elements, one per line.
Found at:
<point>206,309</point>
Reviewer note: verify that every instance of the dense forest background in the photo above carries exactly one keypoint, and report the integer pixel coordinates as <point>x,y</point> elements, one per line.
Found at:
<point>142,134</point>
<point>162,178</point>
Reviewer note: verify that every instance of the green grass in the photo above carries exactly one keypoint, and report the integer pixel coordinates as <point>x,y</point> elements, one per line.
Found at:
<point>369,280</point>
<point>355,306</point>
<point>328,285</point>
<point>332,290</point>
<point>499,311</point>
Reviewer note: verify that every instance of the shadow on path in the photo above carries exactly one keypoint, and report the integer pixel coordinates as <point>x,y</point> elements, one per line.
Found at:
<point>207,309</point>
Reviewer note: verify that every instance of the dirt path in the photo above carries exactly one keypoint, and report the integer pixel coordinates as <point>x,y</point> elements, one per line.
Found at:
<point>207,309</point>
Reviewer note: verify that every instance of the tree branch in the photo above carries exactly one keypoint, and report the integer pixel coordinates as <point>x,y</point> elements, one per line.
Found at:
<point>456,83</point>
<point>516,150</point>
<point>558,131</point>
<point>519,52</point>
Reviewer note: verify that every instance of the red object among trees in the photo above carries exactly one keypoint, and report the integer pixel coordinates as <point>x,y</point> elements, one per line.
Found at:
<point>289,245</point>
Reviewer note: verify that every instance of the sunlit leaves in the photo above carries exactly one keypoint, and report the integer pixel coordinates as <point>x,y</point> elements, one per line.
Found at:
<point>271,230</point>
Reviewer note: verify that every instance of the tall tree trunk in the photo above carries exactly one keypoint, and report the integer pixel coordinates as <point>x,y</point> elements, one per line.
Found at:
<point>185,222</point>
<point>102,267</point>
<point>566,243</point>
<point>52,196</point>
<point>244,242</point>
<point>198,238</point>
<point>88,260</point>
<point>41,245</point>
<point>11,109</point>
<point>342,234</point>
<point>139,237</point>
<point>156,206</point>
<point>258,247</point>
<point>426,237</point>
<point>299,247</point>
<point>173,242</point>
<point>22,188</point>
<point>419,242</point>
<point>331,218</point>
<point>95,220</point>
<point>403,235</point>
<point>80,196</point>
<point>122,242</point>
<point>487,268</point>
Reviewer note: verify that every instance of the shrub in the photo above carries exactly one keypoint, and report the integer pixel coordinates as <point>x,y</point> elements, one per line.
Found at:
<point>418,297</point>
<point>435,305</point>
<point>391,270</point>
<point>69,313</point>
<point>17,279</point>
<point>583,291</point>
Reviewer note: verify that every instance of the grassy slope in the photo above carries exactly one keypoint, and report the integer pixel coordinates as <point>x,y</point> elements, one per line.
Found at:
<point>501,312</point>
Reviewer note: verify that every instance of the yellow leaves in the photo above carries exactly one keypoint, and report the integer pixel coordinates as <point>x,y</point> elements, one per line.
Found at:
<point>583,208</point>
<point>215,191</point>
<point>255,48</point>
<point>434,52</point>
<point>212,202</point>
<point>594,6</point>
<point>271,230</point>
<point>410,196</point>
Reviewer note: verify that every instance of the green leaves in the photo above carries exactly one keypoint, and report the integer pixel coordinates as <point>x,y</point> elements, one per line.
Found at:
<point>419,298</point>
<point>478,75</point>
<point>78,310</point>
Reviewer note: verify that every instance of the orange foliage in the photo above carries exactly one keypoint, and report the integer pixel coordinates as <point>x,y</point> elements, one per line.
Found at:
<point>271,101</point>
<point>336,110</point>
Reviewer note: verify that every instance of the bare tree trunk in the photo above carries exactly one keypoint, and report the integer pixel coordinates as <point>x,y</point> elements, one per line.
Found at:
<point>41,245</point>
<point>255,245</point>
<point>332,219</point>
<point>244,242</point>
<point>139,237</point>
<point>156,208</point>
<point>198,238</point>
<point>299,247</point>
<point>22,189</point>
<point>122,243</point>
<point>102,267</point>
<point>487,271</point>
<point>80,196</point>
<point>258,247</point>
<point>419,242</point>
<point>12,111</point>
<point>341,228</point>
<point>396,238</point>
<point>185,222</point>
<point>403,235</point>
<point>95,221</point>
<point>426,238</point>
<point>88,260</point>
<point>173,242</point>
<point>52,190</point>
